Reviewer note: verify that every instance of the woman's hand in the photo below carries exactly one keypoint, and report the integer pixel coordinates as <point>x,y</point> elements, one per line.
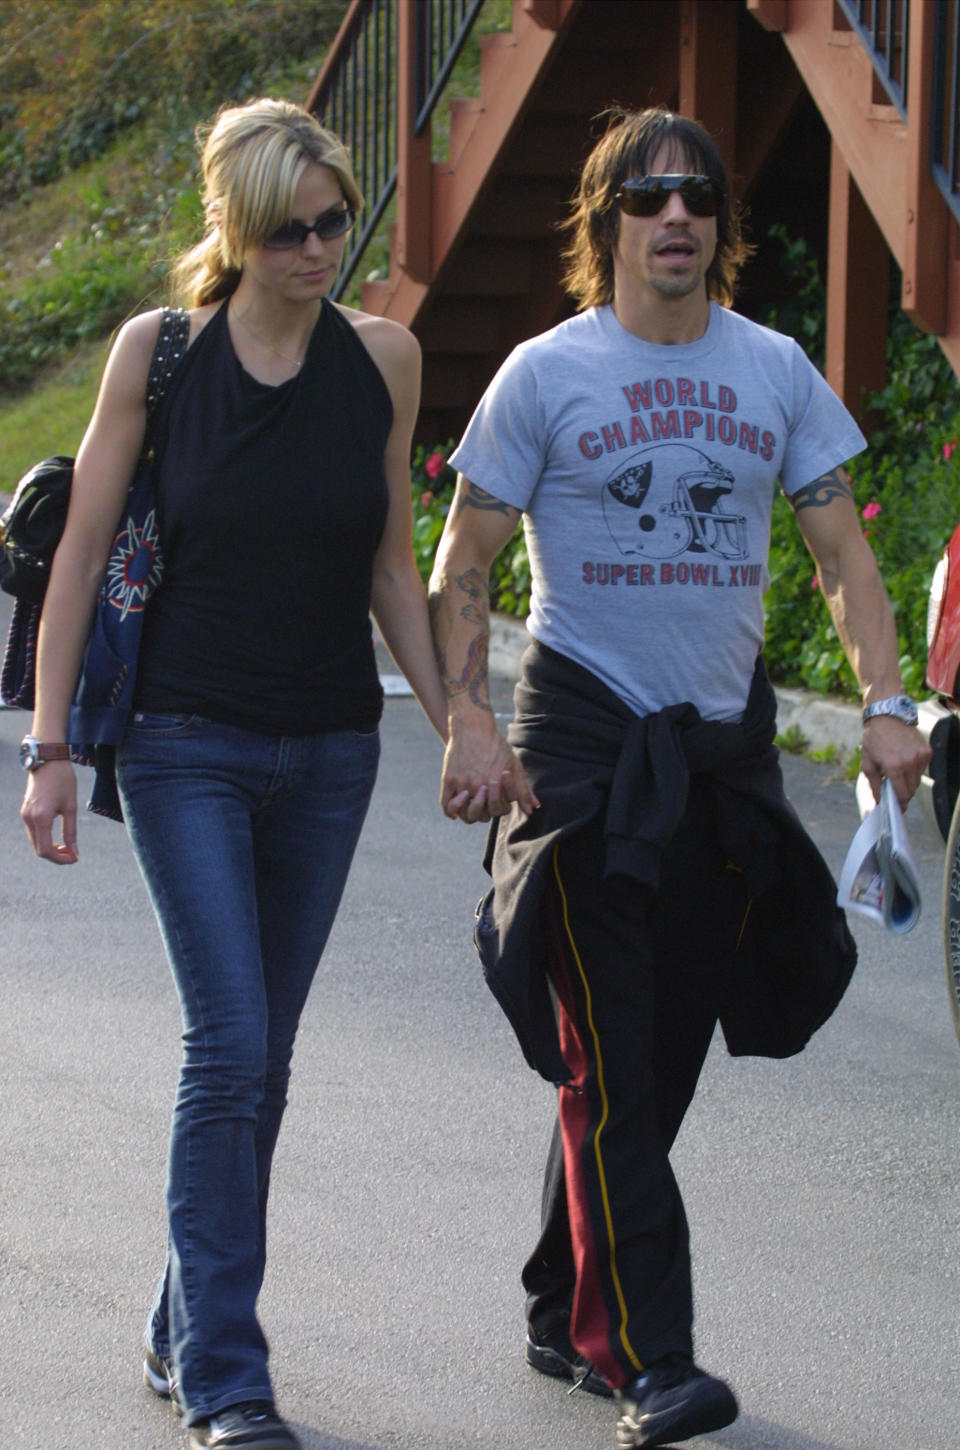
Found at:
<point>51,793</point>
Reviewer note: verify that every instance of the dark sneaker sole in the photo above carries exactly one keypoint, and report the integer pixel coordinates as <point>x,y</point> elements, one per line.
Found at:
<point>557,1366</point>
<point>680,1422</point>
<point>267,1441</point>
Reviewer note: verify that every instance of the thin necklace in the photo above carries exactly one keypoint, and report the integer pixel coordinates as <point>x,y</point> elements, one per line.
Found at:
<point>297,362</point>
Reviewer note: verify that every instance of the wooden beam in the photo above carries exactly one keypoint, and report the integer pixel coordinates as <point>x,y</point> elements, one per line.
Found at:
<point>771,14</point>
<point>708,69</point>
<point>858,274</point>
<point>925,270</point>
<point>413,244</point>
<point>546,13</point>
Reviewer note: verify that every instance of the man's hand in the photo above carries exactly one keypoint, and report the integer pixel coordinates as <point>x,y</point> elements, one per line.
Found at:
<point>482,777</point>
<point>895,751</point>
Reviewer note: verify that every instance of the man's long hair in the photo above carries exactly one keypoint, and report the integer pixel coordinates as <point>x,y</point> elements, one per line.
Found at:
<point>627,149</point>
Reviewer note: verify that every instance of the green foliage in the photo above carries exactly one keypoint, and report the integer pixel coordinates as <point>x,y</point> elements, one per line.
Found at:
<point>852,768</point>
<point>907,487</point>
<point>52,418</point>
<point>124,89</point>
<point>112,63</point>
<point>803,315</point>
<point>432,482</point>
<point>792,741</point>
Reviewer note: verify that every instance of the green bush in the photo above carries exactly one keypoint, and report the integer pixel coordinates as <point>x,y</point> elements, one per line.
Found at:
<point>432,482</point>
<point>907,487</point>
<point>128,95</point>
<point>113,63</point>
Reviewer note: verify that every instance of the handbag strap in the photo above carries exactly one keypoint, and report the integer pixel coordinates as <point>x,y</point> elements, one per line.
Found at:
<point>170,347</point>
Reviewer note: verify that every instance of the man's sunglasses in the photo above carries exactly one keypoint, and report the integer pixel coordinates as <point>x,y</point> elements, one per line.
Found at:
<point>648,195</point>
<point>333,223</point>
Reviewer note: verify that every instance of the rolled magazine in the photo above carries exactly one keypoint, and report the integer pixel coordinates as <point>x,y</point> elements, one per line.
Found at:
<point>879,876</point>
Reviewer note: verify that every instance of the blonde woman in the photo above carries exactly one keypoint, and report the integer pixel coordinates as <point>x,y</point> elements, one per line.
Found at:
<point>248,763</point>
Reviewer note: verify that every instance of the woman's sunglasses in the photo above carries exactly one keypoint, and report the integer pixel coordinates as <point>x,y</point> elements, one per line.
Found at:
<point>648,195</point>
<point>333,223</point>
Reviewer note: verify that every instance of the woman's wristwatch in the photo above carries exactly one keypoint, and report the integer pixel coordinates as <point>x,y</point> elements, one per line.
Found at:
<point>34,752</point>
<point>901,707</point>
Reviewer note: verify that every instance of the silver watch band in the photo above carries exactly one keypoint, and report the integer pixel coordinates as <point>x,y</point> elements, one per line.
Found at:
<point>901,707</point>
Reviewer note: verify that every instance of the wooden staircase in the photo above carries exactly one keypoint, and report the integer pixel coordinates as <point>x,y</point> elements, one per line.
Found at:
<point>474,264</point>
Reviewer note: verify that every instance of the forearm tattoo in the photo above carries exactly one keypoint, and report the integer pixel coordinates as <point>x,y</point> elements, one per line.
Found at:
<point>822,491</point>
<point>473,678</point>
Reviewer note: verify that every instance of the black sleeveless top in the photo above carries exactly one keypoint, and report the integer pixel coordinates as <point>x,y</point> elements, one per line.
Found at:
<point>272,501</point>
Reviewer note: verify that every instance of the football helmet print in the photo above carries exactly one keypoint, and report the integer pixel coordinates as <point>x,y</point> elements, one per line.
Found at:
<point>666,501</point>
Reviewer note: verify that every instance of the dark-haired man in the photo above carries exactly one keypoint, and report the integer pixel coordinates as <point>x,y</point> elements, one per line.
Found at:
<point>649,877</point>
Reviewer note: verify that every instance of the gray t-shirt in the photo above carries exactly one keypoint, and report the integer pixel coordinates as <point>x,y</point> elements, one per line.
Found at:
<point>646,477</point>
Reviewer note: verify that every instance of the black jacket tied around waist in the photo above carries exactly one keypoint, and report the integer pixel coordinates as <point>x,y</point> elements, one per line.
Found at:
<point>586,752</point>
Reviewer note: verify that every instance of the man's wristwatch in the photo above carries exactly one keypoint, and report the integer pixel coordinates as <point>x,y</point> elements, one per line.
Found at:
<point>34,752</point>
<point>901,707</point>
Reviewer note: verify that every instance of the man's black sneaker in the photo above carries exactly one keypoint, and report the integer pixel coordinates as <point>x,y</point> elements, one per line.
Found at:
<point>158,1377</point>
<point>672,1400</point>
<point>253,1425</point>
<point>552,1353</point>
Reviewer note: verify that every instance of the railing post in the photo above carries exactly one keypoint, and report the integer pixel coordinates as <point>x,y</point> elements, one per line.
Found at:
<point>414,162</point>
<point>924,295</point>
<point>858,276</point>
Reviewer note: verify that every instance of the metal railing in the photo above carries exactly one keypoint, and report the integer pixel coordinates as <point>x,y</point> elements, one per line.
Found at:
<point>356,94</point>
<point>946,102</point>
<point>883,26</point>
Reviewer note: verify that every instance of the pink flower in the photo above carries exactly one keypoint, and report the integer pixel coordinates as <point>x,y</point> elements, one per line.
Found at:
<point>814,582</point>
<point>871,510</point>
<point>948,450</point>
<point>426,499</point>
<point>435,465</point>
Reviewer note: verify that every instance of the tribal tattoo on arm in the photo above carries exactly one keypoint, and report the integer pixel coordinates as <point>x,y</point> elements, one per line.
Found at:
<point>472,497</point>
<point>822,491</point>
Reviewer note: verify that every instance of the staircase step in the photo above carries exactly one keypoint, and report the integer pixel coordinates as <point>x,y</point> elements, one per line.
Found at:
<point>496,53</point>
<point>464,115</point>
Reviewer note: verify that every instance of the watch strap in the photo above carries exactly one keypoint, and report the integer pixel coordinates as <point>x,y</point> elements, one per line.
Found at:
<point>901,707</point>
<point>48,750</point>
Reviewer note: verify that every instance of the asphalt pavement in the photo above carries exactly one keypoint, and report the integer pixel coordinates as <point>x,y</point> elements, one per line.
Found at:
<point>823,1192</point>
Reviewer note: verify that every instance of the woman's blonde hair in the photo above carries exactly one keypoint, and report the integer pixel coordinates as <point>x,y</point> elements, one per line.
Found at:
<point>252,158</point>
<point>627,149</point>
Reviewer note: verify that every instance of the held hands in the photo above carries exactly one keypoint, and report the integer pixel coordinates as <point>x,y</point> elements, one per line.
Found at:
<point>52,792</point>
<point>483,778</point>
<point>895,751</point>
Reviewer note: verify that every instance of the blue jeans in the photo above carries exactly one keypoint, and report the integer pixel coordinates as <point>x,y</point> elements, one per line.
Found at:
<point>245,842</point>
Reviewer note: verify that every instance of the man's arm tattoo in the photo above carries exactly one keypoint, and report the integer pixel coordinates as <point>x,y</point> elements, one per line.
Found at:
<point>472,497</point>
<point>473,679</point>
<point>822,491</point>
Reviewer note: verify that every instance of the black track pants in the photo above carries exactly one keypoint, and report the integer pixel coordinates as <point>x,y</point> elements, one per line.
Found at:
<point>637,992</point>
